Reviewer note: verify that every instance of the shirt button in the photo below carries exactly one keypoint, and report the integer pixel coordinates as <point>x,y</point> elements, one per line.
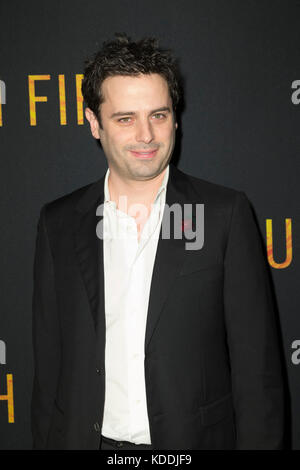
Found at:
<point>97,427</point>
<point>138,402</point>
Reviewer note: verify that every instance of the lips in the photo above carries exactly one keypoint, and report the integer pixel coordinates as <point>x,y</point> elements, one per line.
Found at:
<point>145,155</point>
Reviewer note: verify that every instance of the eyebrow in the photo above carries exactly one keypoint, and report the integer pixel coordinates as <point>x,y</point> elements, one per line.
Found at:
<point>131,113</point>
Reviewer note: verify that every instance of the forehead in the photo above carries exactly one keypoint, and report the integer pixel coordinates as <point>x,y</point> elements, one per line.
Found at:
<point>147,90</point>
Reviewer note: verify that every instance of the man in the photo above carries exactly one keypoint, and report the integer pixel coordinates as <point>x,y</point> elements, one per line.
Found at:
<point>142,341</point>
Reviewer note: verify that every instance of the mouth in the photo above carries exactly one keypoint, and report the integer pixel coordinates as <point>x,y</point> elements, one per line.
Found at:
<point>144,155</point>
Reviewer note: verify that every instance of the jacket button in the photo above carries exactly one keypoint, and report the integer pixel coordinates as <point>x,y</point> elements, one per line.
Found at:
<point>97,427</point>
<point>98,371</point>
<point>119,444</point>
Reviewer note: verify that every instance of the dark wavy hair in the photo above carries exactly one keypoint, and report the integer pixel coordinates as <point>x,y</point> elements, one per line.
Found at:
<point>123,56</point>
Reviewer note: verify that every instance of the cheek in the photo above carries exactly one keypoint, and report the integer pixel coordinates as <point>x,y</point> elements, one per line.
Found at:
<point>122,135</point>
<point>167,135</point>
<point>116,140</point>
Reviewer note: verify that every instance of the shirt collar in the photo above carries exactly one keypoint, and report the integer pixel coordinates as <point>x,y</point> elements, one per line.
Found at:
<point>162,187</point>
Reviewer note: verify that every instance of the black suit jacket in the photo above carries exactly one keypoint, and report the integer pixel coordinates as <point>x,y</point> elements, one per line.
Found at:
<point>214,377</point>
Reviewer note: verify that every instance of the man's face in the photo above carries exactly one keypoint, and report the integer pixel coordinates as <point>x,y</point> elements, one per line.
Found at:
<point>138,134</point>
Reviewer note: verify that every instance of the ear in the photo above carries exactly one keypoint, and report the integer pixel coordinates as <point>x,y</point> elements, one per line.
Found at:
<point>94,125</point>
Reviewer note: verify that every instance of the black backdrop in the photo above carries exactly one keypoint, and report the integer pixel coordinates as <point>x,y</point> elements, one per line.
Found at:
<point>239,128</point>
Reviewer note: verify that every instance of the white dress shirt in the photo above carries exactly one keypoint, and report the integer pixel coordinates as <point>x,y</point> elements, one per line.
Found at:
<point>128,266</point>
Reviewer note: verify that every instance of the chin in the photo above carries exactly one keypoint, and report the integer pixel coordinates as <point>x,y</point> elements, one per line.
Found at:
<point>147,171</point>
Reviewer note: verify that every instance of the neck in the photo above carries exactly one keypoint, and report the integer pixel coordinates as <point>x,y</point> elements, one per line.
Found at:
<point>136,192</point>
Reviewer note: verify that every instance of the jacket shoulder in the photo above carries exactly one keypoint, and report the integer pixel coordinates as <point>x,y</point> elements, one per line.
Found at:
<point>200,188</point>
<point>58,210</point>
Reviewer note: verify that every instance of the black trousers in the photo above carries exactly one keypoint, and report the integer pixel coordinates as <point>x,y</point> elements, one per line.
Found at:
<point>110,444</point>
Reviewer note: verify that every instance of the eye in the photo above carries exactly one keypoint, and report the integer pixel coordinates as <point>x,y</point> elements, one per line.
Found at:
<point>124,119</point>
<point>159,116</point>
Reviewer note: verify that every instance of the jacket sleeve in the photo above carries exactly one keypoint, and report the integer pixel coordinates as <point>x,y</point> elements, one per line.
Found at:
<point>252,335</point>
<point>46,337</point>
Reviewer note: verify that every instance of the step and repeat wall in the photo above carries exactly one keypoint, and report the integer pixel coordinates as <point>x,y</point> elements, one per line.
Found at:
<point>239,127</point>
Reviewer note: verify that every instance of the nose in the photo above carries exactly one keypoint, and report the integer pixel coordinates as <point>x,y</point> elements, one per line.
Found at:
<point>144,132</point>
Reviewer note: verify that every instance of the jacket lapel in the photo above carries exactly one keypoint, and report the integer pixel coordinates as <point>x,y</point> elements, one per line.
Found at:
<point>169,255</point>
<point>89,250</point>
